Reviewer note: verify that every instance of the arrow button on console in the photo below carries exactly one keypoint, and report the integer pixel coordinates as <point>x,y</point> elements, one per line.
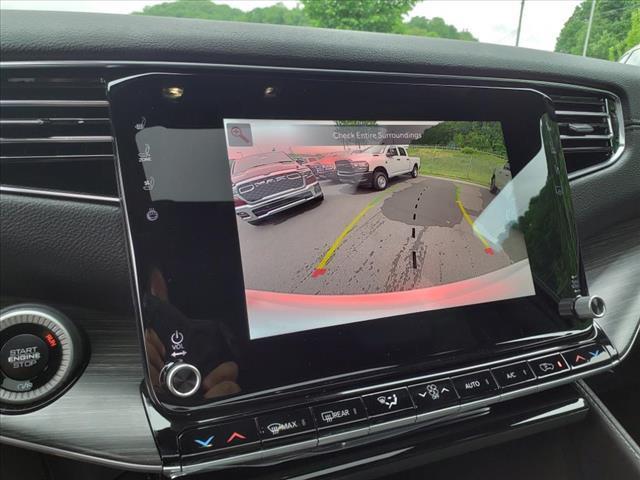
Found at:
<point>240,435</point>
<point>586,356</point>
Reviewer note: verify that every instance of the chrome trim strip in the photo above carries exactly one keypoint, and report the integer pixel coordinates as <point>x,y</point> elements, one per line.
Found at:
<point>392,424</point>
<point>586,137</point>
<point>53,103</point>
<point>578,405</point>
<point>21,122</point>
<point>346,466</point>
<point>55,120</point>
<point>35,192</point>
<point>83,457</point>
<point>95,156</point>
<point>219,463</point>
<point>342,435</point>
<point>581,114</point>
<point>70,139</point>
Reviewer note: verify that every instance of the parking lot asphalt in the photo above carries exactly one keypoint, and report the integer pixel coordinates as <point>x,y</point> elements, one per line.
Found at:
<point>417,233</point>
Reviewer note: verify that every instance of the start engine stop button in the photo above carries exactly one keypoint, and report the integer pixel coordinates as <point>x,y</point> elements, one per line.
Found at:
<point>24,357</point>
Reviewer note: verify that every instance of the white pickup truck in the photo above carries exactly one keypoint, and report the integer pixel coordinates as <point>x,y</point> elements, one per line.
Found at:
<point>375,165</point>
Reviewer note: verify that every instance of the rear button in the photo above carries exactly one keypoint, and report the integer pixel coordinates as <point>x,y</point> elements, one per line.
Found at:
<point>332,415</point>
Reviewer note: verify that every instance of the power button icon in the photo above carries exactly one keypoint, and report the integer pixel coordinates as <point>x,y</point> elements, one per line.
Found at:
<point>177,337</point>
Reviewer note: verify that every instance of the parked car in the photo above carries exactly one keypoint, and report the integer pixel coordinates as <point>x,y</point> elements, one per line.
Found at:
<point>325,166</point>
<point>269,183</point>
<point>374,166</point>
<point>631,57</point>
<point>501,176</point>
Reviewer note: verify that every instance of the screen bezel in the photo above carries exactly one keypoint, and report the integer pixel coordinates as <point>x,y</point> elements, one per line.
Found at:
<point>241,94</point>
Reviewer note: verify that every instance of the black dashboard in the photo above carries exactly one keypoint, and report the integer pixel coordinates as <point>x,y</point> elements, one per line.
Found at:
<point>129,217</point>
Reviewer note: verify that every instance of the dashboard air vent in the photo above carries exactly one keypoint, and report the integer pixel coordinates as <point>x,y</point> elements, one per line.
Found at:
<point>588,129</point>
<point>55,133</point>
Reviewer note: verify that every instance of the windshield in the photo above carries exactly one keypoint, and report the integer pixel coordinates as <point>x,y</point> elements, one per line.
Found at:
<point>603,29</point>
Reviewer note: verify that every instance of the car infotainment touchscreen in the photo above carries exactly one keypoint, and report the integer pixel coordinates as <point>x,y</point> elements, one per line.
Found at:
<point>346,221</point>
<point>307,230</point>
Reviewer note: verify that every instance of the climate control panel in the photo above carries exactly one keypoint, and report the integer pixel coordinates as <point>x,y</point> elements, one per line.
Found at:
<point>363,415</point>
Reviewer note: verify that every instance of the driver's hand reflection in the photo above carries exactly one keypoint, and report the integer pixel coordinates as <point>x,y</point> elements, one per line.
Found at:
<point>222,380</point>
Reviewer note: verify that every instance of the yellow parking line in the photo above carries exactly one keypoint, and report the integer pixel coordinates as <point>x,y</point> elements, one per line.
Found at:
<point>320,267</point>
<point>487,247</point>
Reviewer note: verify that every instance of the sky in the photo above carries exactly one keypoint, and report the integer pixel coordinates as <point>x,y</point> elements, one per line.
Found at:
<point>491,21</point>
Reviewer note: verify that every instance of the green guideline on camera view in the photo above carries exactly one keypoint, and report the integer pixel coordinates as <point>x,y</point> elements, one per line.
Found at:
<point>347,221</point>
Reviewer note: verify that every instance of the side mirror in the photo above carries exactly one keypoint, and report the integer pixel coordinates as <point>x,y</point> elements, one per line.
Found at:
<point>389,154</point>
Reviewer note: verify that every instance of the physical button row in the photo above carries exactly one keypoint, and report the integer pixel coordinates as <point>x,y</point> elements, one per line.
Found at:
<point>355,417</point>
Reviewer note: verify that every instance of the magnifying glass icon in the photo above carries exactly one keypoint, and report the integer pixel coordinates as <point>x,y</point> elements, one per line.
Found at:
<point>237,132</point>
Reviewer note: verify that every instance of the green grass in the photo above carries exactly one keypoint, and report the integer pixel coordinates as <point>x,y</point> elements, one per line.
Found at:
<point>474,167</point>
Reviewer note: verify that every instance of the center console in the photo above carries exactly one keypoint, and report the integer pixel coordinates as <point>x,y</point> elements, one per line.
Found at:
<point>324,261</point>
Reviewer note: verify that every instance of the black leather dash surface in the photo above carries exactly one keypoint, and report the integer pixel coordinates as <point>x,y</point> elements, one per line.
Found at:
<point>64,251</point>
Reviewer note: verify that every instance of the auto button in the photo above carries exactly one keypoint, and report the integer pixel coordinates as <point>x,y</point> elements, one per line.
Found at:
<point>477,384</point>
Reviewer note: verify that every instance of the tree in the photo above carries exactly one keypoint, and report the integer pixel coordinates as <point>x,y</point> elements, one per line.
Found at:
<point>277,14</point>
<point>205,9</point>
<point>483,136</point>
<point>434,27</point>
<point>612,22</point>
<point>633,38</point>
<point>367,15</point>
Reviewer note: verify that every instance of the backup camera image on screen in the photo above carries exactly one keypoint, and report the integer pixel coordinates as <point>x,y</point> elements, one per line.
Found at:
<point>347,221</point>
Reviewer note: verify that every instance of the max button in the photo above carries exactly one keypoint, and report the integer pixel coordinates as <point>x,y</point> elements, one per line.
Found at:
<point>284,425</point>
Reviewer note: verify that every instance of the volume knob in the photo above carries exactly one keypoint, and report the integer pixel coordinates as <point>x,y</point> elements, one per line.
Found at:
<point>182,379</point>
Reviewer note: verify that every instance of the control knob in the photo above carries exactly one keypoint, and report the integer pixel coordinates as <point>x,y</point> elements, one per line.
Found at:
<point>181,379</point>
